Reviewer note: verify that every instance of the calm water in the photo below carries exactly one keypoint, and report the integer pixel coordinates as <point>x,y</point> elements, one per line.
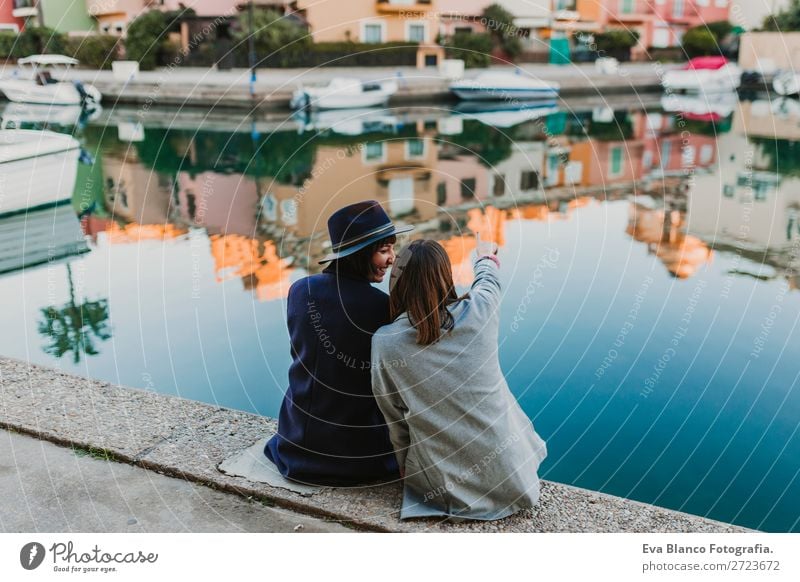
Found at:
<point>648,324</point>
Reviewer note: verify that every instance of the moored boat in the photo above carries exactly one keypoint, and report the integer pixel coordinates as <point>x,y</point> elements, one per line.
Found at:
<point>704,75</point>
<point>33,82</point>
<point>344,93</point>
<point>504,86</point>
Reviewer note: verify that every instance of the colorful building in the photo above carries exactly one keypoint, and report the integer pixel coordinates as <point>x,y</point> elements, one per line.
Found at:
<point>8,21</point>
<point>660,23</point>
<point>61,15</point>
<point>376,21</point>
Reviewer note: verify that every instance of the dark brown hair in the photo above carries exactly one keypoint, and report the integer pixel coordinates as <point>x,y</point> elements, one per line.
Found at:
<point>359,264</point>
<point>424,289</point>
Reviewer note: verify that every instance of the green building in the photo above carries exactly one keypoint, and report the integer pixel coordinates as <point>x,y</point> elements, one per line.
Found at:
<point>62,15</point>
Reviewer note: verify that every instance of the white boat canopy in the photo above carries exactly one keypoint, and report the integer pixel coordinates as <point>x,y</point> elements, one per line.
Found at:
<point>48,60</point>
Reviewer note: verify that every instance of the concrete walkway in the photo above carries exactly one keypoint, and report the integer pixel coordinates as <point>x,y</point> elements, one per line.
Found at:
<point>48,488</point>
<point>190,440</point>
<point>209,87</point>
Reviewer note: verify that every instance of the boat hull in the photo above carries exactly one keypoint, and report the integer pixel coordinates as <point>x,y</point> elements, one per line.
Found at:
<point>467,93</point>
<point>37,169</point>
<point>62,93</point>
<point>703,81</point>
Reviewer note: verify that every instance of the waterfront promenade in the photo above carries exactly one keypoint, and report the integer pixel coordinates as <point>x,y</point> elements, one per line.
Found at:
<point>143,437</point>
<point>202,87</point>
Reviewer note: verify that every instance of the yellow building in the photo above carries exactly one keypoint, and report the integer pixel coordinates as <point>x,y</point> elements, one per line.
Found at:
<point>376,21</point>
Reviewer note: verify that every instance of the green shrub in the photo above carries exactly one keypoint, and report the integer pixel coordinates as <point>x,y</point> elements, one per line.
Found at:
<point>787,20</point>
<point>474,49</point>
<point>276,38</point>
<point>96,51</point>
<point>616,40</point>
<point>8,43</point>
<point>699,42</point>
<point>720,28</point>
<point>39,40</point>
<point>505,35</point>
<point>145,39</point>
<point>339,54</point>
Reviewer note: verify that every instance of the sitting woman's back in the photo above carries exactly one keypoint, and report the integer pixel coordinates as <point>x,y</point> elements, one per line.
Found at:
<point>466,446</point>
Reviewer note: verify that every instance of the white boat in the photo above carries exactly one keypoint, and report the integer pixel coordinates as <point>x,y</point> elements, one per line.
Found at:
<point>344,93</point>
<point>717,105</point>
<point>704,74</point>
<point>37,169</point>
<point>786,83</point>
<point>33,81</point>
<point>504,86</point>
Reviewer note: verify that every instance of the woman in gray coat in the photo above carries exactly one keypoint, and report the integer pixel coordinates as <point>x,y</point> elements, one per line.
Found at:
<point>465,447</point>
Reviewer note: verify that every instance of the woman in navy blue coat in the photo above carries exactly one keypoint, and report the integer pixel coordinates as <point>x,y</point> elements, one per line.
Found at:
<point>330,430</point>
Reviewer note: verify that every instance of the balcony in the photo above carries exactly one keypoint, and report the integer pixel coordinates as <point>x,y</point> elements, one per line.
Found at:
<point>398,6</point>
<point>25,8</point>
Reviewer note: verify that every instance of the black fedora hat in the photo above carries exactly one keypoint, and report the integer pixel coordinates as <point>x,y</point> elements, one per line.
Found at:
<point>358,225</point>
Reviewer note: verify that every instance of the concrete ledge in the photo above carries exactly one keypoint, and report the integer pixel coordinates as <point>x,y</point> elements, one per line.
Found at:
<point>187,87</point>
<point>189,439</point>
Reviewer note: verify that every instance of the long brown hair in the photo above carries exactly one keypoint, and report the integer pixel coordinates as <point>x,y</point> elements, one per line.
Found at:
<point>423,289</point>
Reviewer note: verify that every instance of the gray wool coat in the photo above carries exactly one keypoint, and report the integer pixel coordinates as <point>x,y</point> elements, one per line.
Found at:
<point>467,447</point>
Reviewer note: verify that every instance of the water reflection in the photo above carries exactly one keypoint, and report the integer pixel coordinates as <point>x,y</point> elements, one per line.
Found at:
<point>196,235</point>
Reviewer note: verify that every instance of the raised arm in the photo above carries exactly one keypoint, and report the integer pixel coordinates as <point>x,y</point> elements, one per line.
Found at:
<point>486,267</point>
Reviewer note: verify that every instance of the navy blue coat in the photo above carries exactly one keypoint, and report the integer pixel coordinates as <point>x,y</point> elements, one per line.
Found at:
<point>330,430</point>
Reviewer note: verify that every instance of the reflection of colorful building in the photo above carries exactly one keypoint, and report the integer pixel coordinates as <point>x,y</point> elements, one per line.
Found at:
<point>397,172</point>
<point>747,203</point>
<point>664,233</point>
<point>254,261</point>
<point>133,192</point>
<point>220,203</point>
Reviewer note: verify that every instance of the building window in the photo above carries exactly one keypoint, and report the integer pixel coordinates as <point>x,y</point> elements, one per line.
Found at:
<point>463,30</point>
<point>499,187</point>
<point>666,153</point>
<point>468,188</point>
<point>441,193</point>
<point>728,190</point>
<point>615,161</point>
<point>720,3</point>
<point>702,2</point>
<point>415,149</point>
<point>416,32</point>
<point>372,32</point>
<point>627,6</point>
<point>677,9</point>
<point>647,159</point>
<point>529,180</point>
<point>374,151</point>
<point>706,154</point>
<point>661,37</point>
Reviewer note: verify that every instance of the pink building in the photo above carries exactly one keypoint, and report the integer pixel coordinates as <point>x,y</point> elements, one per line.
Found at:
<point>7,19</point>
<point>660,23</point>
